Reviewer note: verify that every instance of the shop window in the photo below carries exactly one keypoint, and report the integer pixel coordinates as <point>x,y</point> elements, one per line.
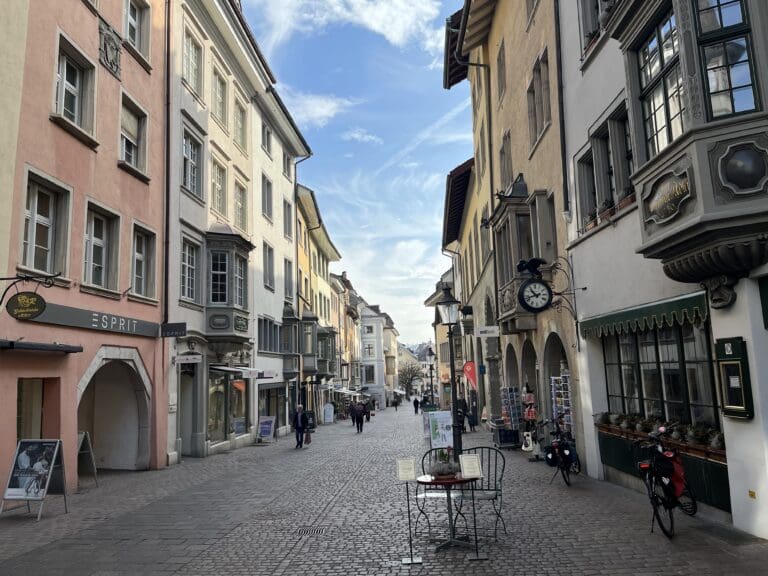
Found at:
<point>227,406</point>
<point>664,373</point>
<point>661,85</point>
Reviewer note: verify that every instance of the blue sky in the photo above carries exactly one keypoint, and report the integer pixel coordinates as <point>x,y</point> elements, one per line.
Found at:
<point>363,79</point>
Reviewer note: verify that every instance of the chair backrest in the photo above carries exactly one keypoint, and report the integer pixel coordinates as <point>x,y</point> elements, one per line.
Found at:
<point>430,457</point>
<point>492,462</point>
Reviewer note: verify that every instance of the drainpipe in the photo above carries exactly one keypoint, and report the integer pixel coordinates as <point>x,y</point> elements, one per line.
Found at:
<point>167,225</point>
<point>296,272</point>
<point>561,109</point>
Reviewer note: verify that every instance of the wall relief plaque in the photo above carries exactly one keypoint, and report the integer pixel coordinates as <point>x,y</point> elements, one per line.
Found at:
<point>667,197</point>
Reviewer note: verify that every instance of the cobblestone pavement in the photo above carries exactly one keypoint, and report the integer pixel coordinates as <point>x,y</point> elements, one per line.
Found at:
<point>335,507</point>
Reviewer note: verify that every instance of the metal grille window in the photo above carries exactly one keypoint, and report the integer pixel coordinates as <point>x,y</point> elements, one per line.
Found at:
<point>241,282</point>
<point>189,264</point>
<point>665,373</point>
<point>218,277</point>
<point>191,174</point>
<point>661,80</point>
<point>219,188</point>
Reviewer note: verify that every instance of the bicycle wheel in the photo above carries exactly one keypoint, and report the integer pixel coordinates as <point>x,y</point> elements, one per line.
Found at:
<point>662,511</point>
<point>687,501</point>
<point>566,474</point>
<point>576,465</point>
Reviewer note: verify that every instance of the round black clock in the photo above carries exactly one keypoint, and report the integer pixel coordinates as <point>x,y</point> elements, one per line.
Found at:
<point>535,295</point>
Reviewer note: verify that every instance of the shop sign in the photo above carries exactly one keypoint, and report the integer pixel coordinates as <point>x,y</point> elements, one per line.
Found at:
<point>487,331</point>
<point>102,321</point>
<point>25,305</point>
<point>189,359</point>
<point>173,330</point>
<point>668,195</point>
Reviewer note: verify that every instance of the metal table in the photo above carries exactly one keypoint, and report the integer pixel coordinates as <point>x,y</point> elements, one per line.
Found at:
<point>447,483</point>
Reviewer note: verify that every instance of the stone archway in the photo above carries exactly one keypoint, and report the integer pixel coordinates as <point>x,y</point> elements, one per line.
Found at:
<point>510,367</point>
<point>114,397</point>
<point>530,368</point>
<point>555,364</point>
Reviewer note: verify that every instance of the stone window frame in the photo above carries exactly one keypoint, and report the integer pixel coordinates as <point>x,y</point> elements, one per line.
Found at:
<point>198,192</point>
<point>219,198</point>
<point>140,50</point>
<point>196,251</point>
<point>538,96</point>
<point>219,79</point>
<point>288,279</point>
<point>110,244</point>
<point>240,205</point>
<point>267,198</point>
<point>83,126</point>
<point>149,260</point>
<point>268,266</point>
<point>240,276</point>
<point>198,86</point>
<point>140,168</point>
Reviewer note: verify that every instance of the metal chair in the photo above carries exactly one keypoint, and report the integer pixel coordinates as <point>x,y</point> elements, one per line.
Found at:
<point>489,487</point>
<point>427,493</point>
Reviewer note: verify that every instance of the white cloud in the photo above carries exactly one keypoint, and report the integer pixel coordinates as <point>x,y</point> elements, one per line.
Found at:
<point>361,135</point>
<point>315,110</point>
<point>401,22</point>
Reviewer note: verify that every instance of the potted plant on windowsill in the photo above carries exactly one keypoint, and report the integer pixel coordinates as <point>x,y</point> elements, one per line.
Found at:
<point>607,209</point>
<point>627,197</point>
<point>590,220</point>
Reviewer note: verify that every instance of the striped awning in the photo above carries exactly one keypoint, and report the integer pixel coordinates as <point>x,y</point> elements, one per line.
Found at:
<point>687,308</point>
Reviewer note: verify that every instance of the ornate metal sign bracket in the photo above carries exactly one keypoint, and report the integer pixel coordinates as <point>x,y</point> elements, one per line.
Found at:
<point>45,280</point>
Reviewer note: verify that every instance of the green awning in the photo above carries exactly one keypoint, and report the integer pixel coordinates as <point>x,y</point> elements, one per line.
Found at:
<point>689,308</point>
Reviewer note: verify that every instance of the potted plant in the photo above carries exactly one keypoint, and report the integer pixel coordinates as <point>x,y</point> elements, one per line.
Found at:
<point>590,220</point>
<point>607,209</point>
<point>444,465</point>
<point>698,434</point>
<point>627,197</point>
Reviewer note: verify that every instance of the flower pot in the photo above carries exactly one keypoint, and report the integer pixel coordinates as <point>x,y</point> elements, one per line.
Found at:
<point>606,214</point>
<point>626,201</point>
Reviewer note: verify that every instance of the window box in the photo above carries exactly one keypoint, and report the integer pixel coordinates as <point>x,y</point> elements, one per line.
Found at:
<point>627,199</point>
<point>607,209</point>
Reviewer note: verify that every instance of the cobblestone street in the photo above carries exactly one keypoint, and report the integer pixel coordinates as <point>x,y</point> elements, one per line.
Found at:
<point>249,511</point>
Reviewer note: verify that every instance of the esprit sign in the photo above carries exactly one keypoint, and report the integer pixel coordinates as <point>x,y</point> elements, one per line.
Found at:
<point>667,197</point>
<point>91,320</point>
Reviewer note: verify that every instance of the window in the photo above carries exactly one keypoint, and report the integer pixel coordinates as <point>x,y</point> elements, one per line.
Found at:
<point>192,62</point>
<point>143,263</point>
<point>266,138</point>
<point>530,6</point>
<point>269,336</point>
<point>288,279</point>
<point>218,188</point>
<point>241,124</point>
<point>505,161</point>
<point>287,219</point>
<point>269,267</point>
<point>501,71</point>
<point>524,235</point>
<point>539,114</point>
<point>266,197</point>
<point>44,246</point>
<point>133,139</point>
<point>664,373</point>
<point>300,233</point>
<point>660,81</point>
<point>484,239</point>
<point>137,26</point>
<point>590,21</point>
<point>481,157</point>
<point>219,97</point>
<point>219,271</point>
<point>191,177</point>
<point>241,207</point>
<point>369,374</point>
<point>287,165</point>
<point>241,282</point>
<point>587,189</point>
<point>190,261</point>
<point>100,250</point>
<point>369,329</point>
<point>74,87</point>
<point>724,35</point>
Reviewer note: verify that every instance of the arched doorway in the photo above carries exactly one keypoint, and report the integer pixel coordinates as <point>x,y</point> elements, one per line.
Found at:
<point>530,376</point>
<point>510,367</point>
<point>555,365</point>
<point>113,407</point>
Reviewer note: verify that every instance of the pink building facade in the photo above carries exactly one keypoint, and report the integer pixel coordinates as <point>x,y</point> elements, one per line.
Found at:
<point>88,206</point>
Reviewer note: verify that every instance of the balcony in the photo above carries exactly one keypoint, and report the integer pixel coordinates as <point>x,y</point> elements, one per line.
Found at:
<point>310,364</point>
<point>291,366</point>
<point>326,367</point>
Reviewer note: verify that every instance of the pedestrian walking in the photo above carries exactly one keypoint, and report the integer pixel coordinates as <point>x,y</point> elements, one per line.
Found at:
<point>300,424</point>
<point>367,411</point>
<point>416,405</point>
<point>359,415</point>
<point>462,409</point>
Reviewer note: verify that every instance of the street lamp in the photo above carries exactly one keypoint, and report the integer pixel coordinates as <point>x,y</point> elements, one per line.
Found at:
<point>431,362</point>
<point>448,308</point>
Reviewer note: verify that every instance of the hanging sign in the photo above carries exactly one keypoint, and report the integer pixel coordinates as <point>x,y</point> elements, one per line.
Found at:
<point>25,305</point>
<point>487,331</point>
<point>667,196</point>
<point>470,373</point>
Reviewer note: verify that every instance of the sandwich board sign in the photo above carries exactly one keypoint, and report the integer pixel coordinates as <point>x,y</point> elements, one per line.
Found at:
<point>266,428</point>
<point>37,470</point>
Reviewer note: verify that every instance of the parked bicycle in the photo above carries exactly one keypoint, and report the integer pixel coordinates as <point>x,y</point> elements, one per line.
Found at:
<point>561,454</point>
<point>665,483</point>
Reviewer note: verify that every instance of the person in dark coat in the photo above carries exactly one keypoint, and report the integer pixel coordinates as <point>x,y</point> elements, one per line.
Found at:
<point>300,424</point>
<point>461,405</point>
<point>359,416</point>
<point>416,405</point>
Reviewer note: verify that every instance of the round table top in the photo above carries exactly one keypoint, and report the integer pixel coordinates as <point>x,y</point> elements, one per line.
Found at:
<point>451,480</point>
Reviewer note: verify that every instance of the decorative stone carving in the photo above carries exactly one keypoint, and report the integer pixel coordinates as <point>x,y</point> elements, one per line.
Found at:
<point>720,290</point>
<point>667,196</point>
<point>741,168</point>
<point>691,87</point>
<point>110,45</point>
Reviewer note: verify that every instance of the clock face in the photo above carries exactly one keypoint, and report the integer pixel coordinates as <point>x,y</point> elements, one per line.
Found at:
<point>535,295</point>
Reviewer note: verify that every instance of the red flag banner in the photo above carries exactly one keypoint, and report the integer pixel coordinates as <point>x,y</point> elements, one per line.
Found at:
<point>471,374</point>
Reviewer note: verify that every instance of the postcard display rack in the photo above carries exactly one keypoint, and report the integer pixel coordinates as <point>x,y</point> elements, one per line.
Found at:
<point>561,401</point>
<point>511,413</point>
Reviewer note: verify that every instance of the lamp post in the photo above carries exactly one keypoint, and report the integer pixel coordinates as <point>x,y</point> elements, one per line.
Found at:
<point>448,308</point>
<point>431,362</point>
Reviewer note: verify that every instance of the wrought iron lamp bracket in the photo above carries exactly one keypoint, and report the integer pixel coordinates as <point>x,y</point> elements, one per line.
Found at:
<point>46,280</point>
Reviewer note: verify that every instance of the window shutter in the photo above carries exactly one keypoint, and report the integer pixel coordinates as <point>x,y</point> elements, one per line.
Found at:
<point>129,123</point>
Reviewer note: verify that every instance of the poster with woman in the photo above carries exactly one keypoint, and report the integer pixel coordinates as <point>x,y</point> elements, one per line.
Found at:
<point>31,471</point>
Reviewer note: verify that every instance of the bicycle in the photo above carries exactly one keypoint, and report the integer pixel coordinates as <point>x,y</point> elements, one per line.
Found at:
<point>665,483</point>
<point>561,454</point>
